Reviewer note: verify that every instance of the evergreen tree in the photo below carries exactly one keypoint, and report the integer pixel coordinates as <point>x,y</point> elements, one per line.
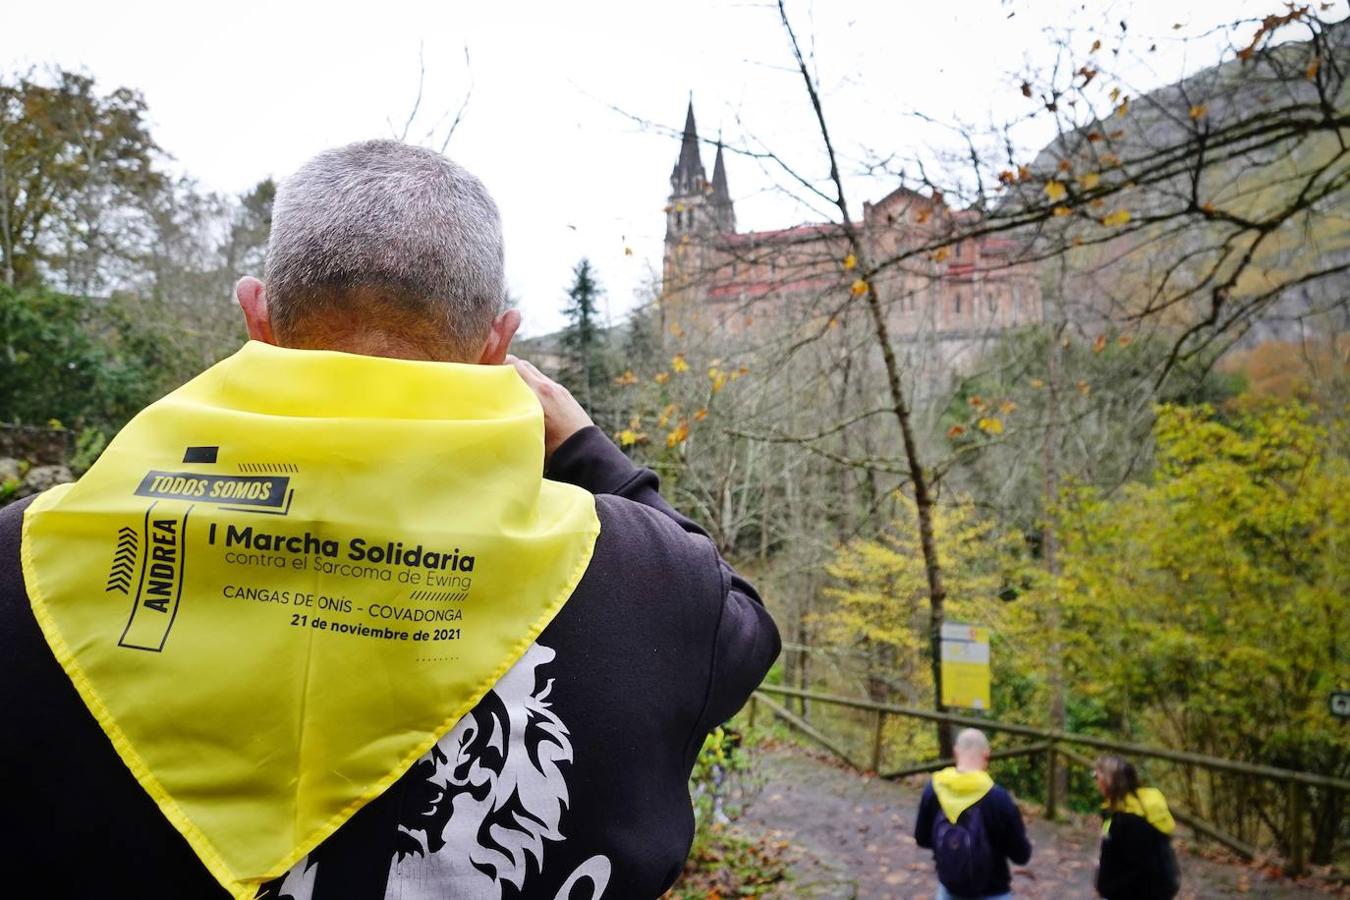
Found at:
<point>584,370</point>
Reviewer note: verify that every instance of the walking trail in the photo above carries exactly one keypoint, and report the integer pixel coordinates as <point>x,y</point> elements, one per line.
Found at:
<point>850,836</point>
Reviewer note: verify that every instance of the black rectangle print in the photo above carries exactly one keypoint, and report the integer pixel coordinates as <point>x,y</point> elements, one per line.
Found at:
<point>231,490</point>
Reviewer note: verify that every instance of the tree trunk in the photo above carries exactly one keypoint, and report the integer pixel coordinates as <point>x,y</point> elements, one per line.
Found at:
<point>919,480</point>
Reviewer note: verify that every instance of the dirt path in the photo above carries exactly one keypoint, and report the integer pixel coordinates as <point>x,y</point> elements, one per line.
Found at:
<point>851,837</point>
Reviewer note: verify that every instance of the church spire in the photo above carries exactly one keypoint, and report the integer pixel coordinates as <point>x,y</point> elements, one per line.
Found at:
<point>721,195</point>
<point>688,177</point>
<point>723,214</point>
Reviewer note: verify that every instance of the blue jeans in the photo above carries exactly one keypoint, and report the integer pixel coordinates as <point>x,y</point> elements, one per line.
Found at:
<point>944,894</point>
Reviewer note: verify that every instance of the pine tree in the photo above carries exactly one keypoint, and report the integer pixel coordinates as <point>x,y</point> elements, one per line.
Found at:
<point>584,370</point>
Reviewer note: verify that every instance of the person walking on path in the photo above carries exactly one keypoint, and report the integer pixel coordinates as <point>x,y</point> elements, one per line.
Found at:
<point>1137,860</point>
<point>972,826</point>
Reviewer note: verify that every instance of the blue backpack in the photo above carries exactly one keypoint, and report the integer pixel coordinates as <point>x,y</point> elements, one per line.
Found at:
<point>962,852</point>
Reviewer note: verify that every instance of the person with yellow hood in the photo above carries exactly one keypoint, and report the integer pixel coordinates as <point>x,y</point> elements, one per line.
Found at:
<point>972,826</point>
<point>370,608</point>
<point>1137,859</point>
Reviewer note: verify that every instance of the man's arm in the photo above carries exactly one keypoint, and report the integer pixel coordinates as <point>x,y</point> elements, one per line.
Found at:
<point>746,641</point>
<point>923,822</point>
<point>1013,833</point>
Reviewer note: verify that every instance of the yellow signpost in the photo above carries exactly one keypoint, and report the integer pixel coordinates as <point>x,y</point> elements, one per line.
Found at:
<point>965,666</point>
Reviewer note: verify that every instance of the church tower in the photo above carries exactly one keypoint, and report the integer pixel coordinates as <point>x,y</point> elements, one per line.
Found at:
<point>698,208</point>
<point>699,212</point>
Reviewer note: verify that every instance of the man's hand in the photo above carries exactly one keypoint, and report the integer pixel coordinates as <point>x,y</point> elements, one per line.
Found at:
<point>563,415</point>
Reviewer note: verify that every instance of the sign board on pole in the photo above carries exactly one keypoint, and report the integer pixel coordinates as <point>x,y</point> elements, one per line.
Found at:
<point>965,666</point>
<point>1340,704</point>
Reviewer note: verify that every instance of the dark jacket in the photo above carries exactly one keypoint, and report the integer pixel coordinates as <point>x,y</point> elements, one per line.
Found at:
<point>1002,823</point>
<point>660,643</point>
<point>1137,861</point>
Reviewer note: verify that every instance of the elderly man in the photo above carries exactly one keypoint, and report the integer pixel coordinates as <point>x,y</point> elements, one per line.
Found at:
<point>369,609</point>
<point>971,825</point>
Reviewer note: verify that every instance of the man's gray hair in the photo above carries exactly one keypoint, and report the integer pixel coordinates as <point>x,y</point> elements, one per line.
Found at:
<point>385,221</point>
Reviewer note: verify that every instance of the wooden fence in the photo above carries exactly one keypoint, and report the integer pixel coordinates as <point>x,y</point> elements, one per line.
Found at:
<point>1056,747</point>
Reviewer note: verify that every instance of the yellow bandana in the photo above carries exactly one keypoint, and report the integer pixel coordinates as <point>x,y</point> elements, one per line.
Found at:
<point>957,791</point>
<point>1147,803</point>
<point>284,581</point>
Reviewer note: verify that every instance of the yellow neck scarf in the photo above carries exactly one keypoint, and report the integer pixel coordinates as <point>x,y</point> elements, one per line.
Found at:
<point>284,581</point>
<point>1147,803</point>
<point>957,791</point>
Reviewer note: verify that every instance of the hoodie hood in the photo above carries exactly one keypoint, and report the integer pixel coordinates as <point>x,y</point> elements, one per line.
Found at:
<point>958,791</point>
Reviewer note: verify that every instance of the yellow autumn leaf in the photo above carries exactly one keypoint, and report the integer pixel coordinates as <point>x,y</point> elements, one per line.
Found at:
<point>661,377</point>
<point>1198,111</point>
<point>1006,407</point>
<point>955,431</point>
<point>1099,344</point>
<point>678,364</point>
<point>859,287</point>
<point>701,414</point>
<point>679,435</point>
<point>1055,191</point>
<point>1061,211</point>
<point>1037,383</point>
<point>990,425</point>
<point>1084,388</point>
<point>1123,109</point>
<point>941,254</point>
<point>1089,180</point>
<point>626,378</point>
<point>628,437</point>
<point>1117,218</point>
<point>627,251</point>
<point>850,261</point>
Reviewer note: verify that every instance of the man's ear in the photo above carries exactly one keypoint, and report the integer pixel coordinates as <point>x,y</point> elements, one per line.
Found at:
<point>499,338</point>
<point>252,297</point>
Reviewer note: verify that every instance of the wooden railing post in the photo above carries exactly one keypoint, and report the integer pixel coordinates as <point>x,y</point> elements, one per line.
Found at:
<point>878,725</point>
<point>1051,778</point>
<point>1295,827</point>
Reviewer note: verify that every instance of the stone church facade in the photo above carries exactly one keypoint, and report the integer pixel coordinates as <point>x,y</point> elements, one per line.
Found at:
<point>720,283</point>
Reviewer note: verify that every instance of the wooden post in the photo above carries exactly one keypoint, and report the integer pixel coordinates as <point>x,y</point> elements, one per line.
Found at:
<point>754,706</point>
<point>1295,827</point>
<point>1051,776</point>
<point>878,724</point>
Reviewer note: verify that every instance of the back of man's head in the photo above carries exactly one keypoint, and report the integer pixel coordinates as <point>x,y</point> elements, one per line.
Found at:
<point>380,247</point>
<point>972,750</point>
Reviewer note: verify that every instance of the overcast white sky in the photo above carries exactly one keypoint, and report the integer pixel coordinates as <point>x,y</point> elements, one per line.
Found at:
<point>244,90</point>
